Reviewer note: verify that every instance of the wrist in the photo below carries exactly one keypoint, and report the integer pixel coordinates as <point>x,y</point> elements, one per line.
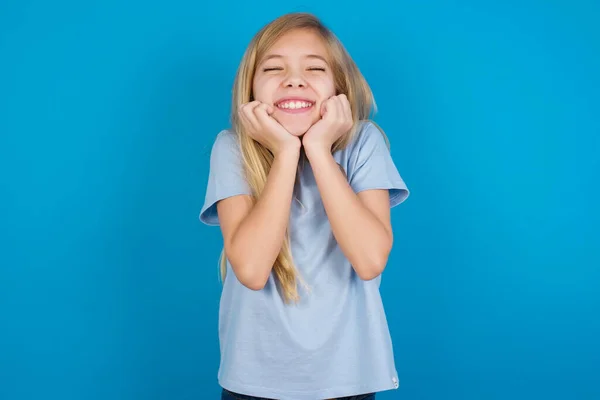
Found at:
<point>317,151</point>
<point>289,149</point>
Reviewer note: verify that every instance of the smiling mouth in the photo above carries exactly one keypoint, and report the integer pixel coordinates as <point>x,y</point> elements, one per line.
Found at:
<point>294,106</point>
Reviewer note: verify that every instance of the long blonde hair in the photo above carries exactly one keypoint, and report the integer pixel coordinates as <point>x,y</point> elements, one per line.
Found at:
<point>256,159</point>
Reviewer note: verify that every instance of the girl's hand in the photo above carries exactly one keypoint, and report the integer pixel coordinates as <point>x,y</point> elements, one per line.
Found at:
<point>336,121</point>
<point>260,126</point>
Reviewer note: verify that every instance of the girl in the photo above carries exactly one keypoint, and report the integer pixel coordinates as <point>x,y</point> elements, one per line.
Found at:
<point>302,187</point>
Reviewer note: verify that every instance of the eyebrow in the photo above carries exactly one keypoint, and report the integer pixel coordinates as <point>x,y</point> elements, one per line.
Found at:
<point>271,56</point>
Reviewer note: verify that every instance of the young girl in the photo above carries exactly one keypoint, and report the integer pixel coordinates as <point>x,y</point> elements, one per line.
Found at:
<point>302,187</point>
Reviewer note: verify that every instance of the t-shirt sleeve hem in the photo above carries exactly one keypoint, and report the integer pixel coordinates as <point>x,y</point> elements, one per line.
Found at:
<point>398,191</point>
<point>209,215</point>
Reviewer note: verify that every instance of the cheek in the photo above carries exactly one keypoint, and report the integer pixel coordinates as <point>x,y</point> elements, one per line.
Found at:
<point>264,89</point>
<point>331,86</point>
<point>325,87</point>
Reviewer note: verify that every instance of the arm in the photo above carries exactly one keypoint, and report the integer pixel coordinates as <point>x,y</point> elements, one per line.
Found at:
<point>253,235</point>
<point>360,223</point>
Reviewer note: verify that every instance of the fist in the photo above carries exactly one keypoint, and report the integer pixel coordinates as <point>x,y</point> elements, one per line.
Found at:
<point>336,121</point>
<point>260,126</point>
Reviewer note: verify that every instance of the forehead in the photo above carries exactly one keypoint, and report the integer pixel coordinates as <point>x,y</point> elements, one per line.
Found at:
<point>299,43</point>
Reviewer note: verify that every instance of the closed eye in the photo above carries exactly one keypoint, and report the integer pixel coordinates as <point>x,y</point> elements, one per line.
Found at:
<point>272,69</point>
<point>316,69</point>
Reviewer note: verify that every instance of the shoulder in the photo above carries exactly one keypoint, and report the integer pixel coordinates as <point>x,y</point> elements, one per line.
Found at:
<point>226,142</point>
<point>226,138</point>
<point>226,152</point>
<point>368,135</point>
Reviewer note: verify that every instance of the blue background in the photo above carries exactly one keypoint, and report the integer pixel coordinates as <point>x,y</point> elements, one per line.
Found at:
<point>108,282</point>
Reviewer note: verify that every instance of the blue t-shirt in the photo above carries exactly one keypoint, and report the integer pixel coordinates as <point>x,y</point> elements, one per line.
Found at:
<point>335,342</point>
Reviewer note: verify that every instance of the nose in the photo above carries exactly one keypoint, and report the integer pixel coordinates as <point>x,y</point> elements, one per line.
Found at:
<point>294,79</point>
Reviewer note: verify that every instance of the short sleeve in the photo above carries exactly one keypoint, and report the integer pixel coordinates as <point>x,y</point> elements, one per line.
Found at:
<point>226,176</point>
<point>373,166</point>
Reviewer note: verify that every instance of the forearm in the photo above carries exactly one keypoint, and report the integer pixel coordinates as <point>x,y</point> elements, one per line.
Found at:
<point>258,240</point>
<point>362,237</point>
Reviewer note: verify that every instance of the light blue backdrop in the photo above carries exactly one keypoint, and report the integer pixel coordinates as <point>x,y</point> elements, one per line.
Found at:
<point>108,282</point>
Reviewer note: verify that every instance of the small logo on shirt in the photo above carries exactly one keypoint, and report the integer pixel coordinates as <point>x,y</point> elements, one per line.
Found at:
<point>395,382</point>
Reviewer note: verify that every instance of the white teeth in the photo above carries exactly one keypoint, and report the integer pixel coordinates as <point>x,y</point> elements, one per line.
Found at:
<point>295,104</point>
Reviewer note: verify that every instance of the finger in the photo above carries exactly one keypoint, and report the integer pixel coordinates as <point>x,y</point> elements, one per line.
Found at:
<point>242,115</point>
<point>270,109</point>
<point>260,112</point>
<point>328,108</point>
<point>263,116</point>
<point>261,108</point>
<point>323,109</point>
<point>345,107</point>
<point>248,105</point>
<point>250,115</point>
<point>338,113</point>
<point>340,106</point>
<point>340,116</point>
<point>245,108</point>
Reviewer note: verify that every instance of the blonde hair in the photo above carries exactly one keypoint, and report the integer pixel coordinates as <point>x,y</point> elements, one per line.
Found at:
<point>256,159</point>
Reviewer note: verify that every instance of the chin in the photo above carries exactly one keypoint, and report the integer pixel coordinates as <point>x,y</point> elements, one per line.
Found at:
<point>298,127</point>
<point>297,123</point>
<point>297,130</point>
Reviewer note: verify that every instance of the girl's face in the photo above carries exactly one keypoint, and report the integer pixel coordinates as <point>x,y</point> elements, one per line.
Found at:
<point>295,77</point>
